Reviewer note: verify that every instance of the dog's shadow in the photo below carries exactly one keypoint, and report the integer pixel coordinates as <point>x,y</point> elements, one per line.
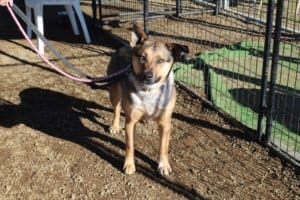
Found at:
<point>59,115</point>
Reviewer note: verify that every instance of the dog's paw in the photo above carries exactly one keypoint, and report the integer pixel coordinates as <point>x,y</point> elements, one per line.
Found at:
<point>164,168</point>
<point>129,168</point>
<point>114,130</point>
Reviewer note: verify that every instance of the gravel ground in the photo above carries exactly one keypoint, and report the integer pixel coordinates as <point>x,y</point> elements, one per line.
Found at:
<point>54,142</point>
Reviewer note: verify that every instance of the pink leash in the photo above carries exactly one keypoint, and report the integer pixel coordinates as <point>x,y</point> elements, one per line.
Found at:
<point>83,80</point>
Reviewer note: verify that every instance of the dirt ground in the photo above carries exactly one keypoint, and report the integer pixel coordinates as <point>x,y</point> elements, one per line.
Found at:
<point>54,142</point>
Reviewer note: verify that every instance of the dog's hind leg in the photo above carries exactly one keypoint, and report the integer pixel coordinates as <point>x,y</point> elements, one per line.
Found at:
<point>115,99</point>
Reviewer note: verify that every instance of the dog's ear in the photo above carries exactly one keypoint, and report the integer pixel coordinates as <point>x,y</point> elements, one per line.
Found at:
<point>177,50</point>
<point>137,35</point>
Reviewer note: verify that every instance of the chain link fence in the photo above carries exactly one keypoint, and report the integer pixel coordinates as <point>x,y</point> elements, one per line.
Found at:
<point>244,57</point>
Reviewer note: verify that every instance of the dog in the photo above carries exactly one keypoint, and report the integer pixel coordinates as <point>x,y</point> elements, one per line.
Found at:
<point>147,92</point>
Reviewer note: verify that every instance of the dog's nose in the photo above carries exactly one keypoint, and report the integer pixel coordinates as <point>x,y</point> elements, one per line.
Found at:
<point>148,75</point>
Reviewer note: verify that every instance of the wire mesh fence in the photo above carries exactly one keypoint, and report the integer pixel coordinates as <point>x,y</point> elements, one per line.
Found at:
<point>284,133</point>
<point>232,58</point>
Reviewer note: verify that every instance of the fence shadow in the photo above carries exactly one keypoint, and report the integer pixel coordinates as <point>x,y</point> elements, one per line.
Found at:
<point>201,64</point>
<point>286,98</point>
<point>260,53</point>
<point>286,111</point>
<point>58,115</point>
<point>207,124</point>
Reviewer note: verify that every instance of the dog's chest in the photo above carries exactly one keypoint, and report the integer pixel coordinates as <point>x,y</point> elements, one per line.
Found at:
<point>152,102</point>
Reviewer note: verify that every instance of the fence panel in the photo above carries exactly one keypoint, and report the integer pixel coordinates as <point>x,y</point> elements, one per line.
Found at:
<point>226,39</point>
<point>286,101</point>
<point>227,55</point>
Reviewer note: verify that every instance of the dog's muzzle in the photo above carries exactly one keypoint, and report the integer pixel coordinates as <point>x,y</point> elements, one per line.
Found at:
<point>148,78</point>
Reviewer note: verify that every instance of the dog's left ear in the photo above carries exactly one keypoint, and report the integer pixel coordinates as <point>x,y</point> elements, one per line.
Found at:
<point>137,35</point>
<point>177,50</point>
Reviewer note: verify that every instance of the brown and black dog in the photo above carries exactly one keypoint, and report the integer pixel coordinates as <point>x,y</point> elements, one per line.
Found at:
<point>148,92</point>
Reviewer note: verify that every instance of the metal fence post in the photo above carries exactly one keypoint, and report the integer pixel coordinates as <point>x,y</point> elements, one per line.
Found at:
<point>265,70</point>
<point>100,9</point>
<point>146,15</point>
<point>217,8</point>
<point>207,79</point>
<point>178,7</point>
<point>275,58</point>
<point>94,8</point>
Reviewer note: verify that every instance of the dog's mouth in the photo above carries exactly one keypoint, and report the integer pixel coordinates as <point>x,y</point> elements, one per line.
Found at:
<point>148,80</point>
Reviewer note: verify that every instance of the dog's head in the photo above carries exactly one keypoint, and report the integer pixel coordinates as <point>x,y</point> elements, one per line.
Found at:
<point>152,60</point>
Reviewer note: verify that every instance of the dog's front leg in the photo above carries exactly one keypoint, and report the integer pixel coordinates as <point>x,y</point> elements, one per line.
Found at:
<point>164,126</point>
<point>129,166</point>
<point>115,99</point>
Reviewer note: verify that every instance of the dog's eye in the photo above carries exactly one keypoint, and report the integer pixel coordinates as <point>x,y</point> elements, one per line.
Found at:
<point>142,59</point>
<point>161,61</point>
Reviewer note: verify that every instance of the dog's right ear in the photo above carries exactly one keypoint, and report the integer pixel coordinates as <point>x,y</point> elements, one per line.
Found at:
<point>177,50</point>
<point>137,35</point>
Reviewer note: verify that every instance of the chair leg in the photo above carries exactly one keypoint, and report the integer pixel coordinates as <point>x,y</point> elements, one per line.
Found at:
<point>28,14</point>
<point>298,7</point>
<point>82,22</point>
<point>71,15</point>
<point>38,11</point>
<point>260,4</point>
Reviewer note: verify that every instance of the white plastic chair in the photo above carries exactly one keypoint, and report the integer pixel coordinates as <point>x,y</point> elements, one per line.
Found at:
<point>37,6</point>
